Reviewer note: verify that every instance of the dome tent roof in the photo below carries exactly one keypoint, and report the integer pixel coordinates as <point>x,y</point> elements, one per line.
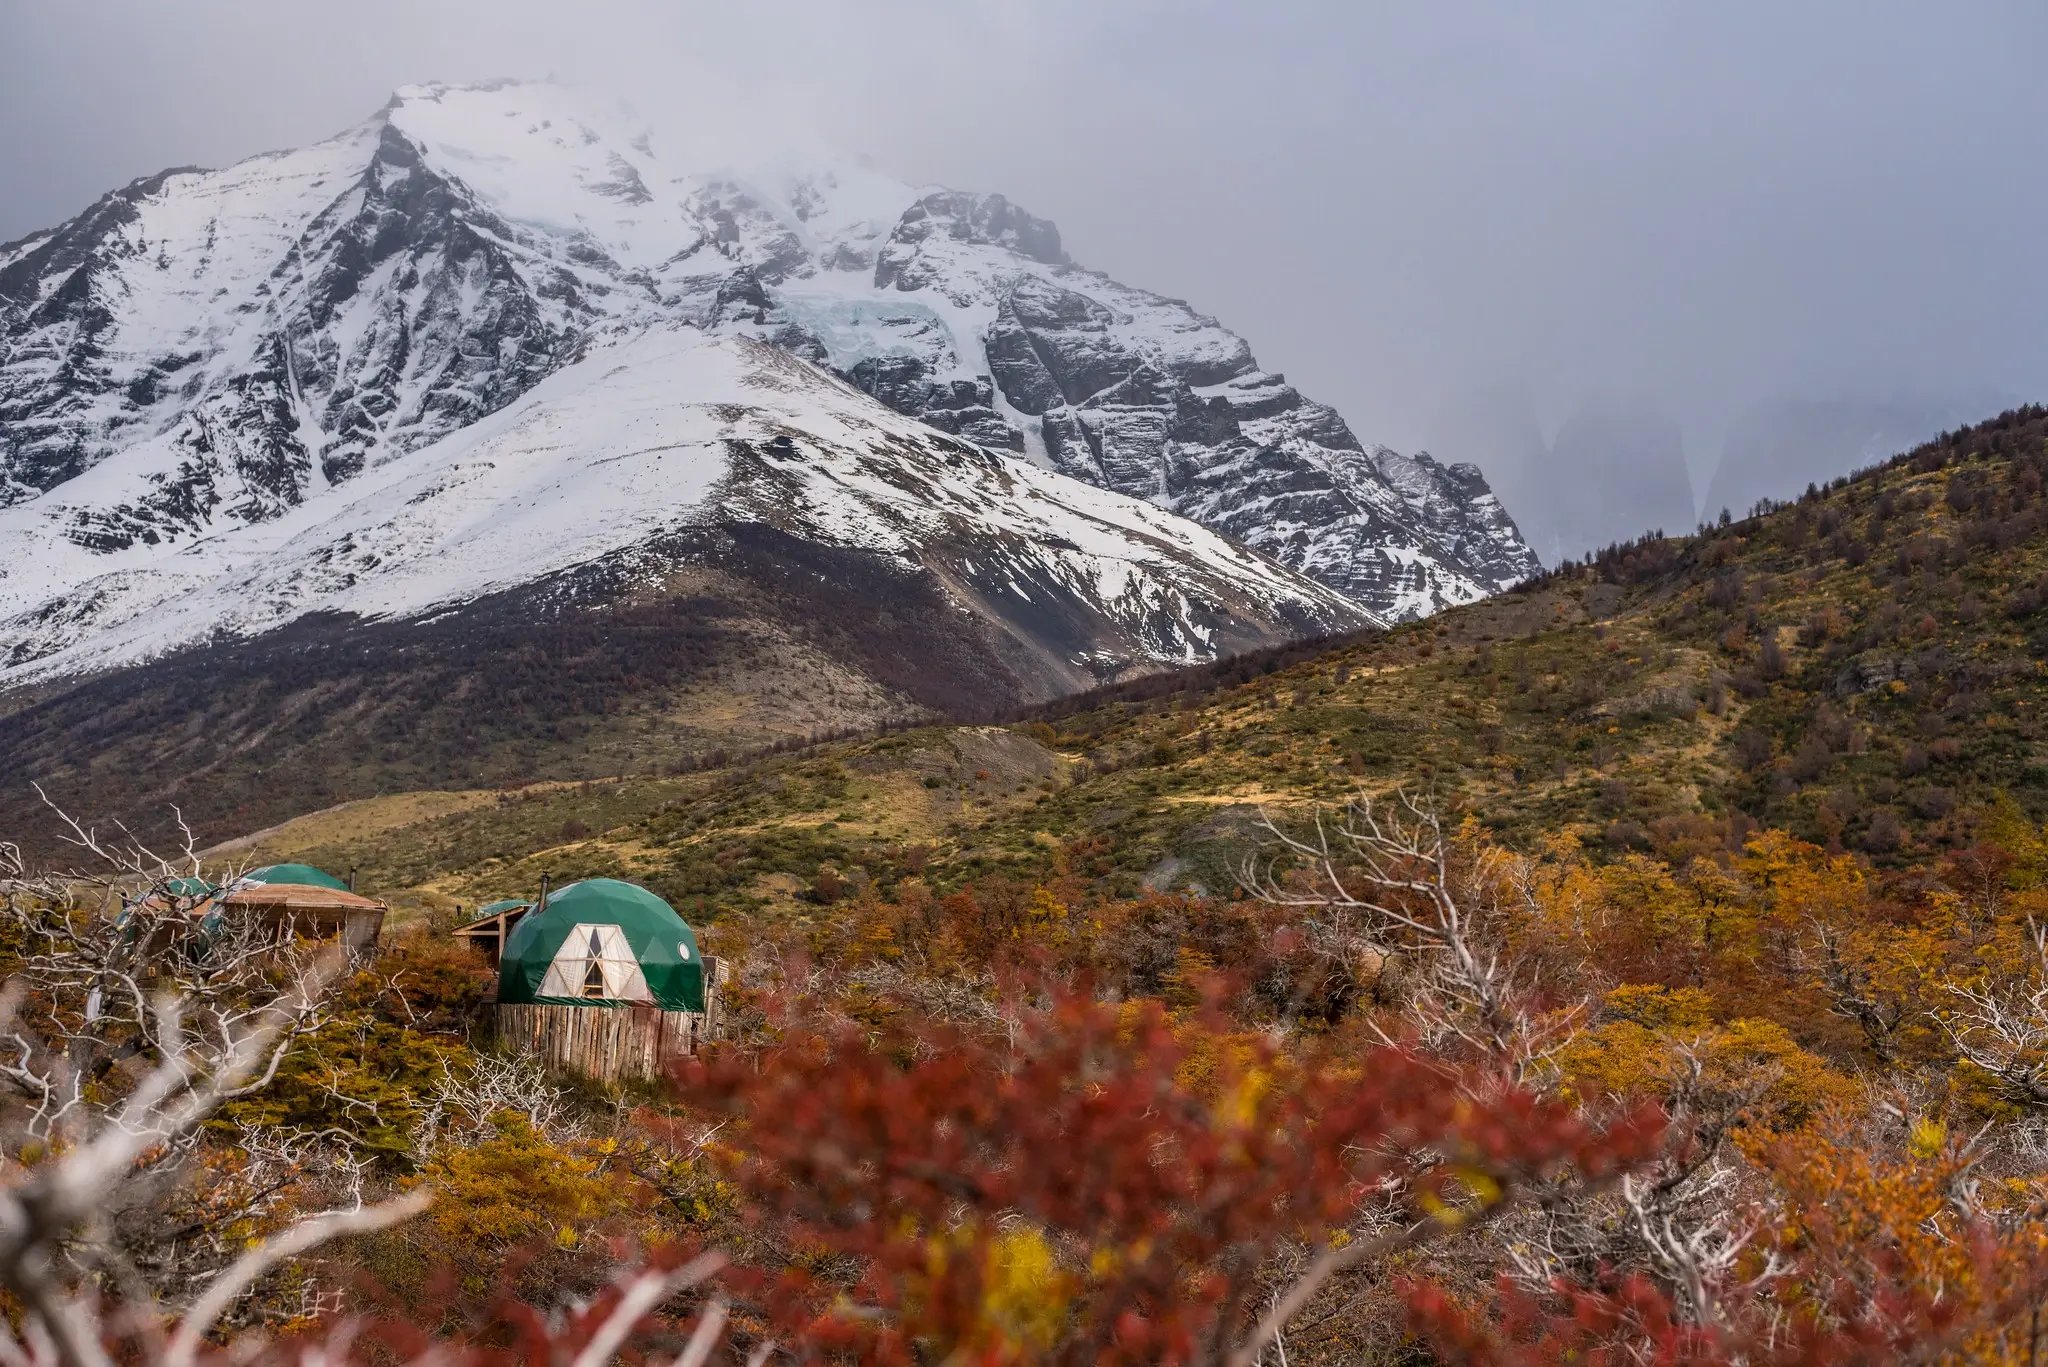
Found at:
<point>297,875</point>
<point>602,942</point>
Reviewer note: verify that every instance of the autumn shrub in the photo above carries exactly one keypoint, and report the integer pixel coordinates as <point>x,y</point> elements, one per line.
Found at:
<point>430,982</point>
<point>1098,1185</point>
<point>513,1212</point>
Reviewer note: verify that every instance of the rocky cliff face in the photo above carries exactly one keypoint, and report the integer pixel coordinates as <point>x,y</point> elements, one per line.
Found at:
<point>605,478</point>
<point>204,351</point>
<point>1005,341</point>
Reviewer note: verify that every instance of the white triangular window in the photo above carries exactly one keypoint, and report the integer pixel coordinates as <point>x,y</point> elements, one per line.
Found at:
<point>596,962</point>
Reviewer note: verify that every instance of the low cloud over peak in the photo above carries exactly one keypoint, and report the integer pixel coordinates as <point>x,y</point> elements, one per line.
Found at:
<point>1713,211</point>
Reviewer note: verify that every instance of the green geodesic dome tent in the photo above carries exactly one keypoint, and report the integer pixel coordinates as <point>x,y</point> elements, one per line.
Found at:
<point>200,892</point>
<point>602,942</point>
<point>296,875</point>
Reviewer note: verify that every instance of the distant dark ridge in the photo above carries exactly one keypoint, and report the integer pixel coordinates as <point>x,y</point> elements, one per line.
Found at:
<point>512,688</point>
<point>1167,683</point>
<point>1654,554</point>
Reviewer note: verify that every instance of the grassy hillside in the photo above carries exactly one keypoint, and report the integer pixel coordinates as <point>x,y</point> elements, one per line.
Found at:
<point>1863,668</point>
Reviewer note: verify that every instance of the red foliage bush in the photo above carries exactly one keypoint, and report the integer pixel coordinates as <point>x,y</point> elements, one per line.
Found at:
<point>1106,1186</point>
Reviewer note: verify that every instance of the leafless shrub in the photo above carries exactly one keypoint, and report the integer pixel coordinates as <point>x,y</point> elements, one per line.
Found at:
<point>459,1109</point>
<point>1687,1221</point>
<point>1384,879</point>
<point>2002,1028</point>
<point>134,1015</point>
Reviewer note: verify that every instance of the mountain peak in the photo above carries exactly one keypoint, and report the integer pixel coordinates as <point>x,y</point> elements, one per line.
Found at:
<point>536,95</point>
<point>988,220</point>
<point>524,102</point>
<point>212,351</point>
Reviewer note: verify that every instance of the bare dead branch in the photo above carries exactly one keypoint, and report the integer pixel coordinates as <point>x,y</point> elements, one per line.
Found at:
<point>302,1237</point>
<point>641,1294</point>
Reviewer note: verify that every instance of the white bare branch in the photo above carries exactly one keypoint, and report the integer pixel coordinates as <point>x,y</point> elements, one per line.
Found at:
<point>1385,880</point>
<point>641,1294</point>
<point>2002,1028</point>
<point>154,1007</point>
<point>460,1108</point>
<point>304,1236</point>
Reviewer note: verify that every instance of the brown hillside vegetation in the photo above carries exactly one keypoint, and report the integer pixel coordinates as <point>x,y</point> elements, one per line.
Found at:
<point>715,641</point>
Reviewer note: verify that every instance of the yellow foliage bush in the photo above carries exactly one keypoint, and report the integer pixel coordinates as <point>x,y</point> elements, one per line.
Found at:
<point>516,1189</point>
<point>1753,1065</point>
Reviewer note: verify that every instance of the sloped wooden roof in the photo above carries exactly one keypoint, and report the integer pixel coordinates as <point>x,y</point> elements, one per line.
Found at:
<point>300,897</point>
<point>491,914</point>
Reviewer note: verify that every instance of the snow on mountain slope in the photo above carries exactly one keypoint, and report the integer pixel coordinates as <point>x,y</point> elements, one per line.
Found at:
<point>631,447</point>
<point>208,351</point>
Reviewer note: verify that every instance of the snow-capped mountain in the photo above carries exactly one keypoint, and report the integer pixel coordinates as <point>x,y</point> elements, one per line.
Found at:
<point>642,457</point>
<point>212,356</point>
<point>673,546</point>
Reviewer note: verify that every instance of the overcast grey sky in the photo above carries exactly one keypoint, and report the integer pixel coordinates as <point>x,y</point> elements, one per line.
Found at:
<point>1687,206</point>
